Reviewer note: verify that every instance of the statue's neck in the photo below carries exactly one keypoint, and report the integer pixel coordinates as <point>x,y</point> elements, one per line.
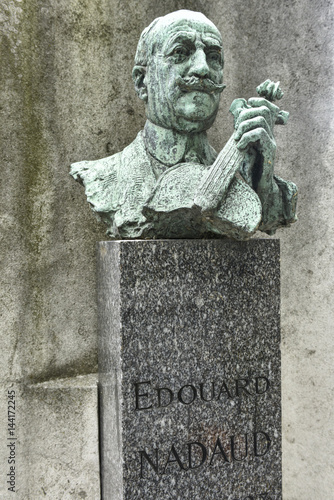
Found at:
<point>171,147</point>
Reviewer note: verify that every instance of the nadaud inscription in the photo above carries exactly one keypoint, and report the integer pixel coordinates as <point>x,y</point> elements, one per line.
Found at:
<point>193,455</point>
<point>148,395</point>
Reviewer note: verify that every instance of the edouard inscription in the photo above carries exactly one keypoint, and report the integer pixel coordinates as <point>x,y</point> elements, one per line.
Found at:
<point>148,397</point>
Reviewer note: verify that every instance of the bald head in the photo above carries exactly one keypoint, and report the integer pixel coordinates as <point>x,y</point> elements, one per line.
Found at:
<point>159,28</point>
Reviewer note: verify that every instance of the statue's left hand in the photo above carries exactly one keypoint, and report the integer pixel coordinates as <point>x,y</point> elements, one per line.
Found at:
<point>254,123</point>
<point>254,135</point>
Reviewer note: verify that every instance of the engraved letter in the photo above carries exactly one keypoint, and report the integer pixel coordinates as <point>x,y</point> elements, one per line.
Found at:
<point>163,403</point>
<point>142,395</point>
<point>204,454</point>
<point>265,385</point>
<point>233,449</point>
<point>241,384</point>
<point>194,394</point>
<point>220,452</point>
<point>175,460</point>
<point>212,392</point>
<point>223,389</point>
<point>155,466</point>
<point>268,443</point>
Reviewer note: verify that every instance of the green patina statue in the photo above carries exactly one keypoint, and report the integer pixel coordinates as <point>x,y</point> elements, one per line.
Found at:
<point>169,182</point>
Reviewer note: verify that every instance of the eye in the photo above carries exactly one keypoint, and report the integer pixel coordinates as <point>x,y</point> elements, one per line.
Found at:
<point>180,53</point>
<point>214,57</point>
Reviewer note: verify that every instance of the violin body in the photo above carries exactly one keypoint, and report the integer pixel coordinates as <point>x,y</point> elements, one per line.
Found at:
<point>172,205</point>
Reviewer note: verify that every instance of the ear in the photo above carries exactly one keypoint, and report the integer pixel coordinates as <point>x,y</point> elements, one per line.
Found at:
<point>138,77</point>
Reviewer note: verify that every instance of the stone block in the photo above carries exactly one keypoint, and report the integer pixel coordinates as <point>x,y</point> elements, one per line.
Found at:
<point>55,444</point>
<point>190,369</point>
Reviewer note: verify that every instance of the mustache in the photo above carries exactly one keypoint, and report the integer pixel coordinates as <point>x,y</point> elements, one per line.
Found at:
<point>202,84</point>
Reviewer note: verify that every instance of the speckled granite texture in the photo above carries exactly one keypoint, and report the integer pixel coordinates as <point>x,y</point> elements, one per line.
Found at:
<point>190,369</point>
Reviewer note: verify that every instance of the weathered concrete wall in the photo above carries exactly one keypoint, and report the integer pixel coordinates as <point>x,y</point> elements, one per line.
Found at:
<point>66,95</point>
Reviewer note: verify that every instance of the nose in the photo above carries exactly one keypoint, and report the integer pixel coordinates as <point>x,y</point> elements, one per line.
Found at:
<point>199,66</point>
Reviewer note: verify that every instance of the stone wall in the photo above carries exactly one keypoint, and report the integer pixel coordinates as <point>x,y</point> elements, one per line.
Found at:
<point>66,95</point>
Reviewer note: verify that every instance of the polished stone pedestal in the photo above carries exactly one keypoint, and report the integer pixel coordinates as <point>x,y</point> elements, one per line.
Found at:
<point>189,362</point>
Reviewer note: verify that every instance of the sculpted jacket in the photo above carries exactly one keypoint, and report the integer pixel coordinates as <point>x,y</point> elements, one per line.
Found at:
<point>139,197</point>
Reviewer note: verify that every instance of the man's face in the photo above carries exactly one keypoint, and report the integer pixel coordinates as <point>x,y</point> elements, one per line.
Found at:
<point>187,52</point>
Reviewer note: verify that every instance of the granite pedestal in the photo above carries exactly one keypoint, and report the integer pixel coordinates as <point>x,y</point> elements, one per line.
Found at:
<point>190,402</point>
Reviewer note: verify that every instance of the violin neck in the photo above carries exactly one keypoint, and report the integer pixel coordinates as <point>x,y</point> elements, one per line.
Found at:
<point>217,179</point>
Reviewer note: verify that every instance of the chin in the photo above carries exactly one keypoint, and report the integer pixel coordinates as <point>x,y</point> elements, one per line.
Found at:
<point>195,122</point>
<point>197,108</point>
<point>188,126</point>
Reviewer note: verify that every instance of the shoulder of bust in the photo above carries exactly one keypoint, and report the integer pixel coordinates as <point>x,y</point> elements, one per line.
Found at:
<point>87,171</point>
<point>107,180</point>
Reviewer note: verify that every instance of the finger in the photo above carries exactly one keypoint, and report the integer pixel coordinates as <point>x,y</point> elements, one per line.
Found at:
<point>270,91</point>
<point>262,88</point>
<point>250,113</point>
<point>259,135</point>
<point>236,107</point>
<point>252,124</point>
<point>256,102</point>
<point>282,117</point>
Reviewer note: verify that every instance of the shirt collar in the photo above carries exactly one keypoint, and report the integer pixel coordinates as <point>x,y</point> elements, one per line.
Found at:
<point>170,147</point>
